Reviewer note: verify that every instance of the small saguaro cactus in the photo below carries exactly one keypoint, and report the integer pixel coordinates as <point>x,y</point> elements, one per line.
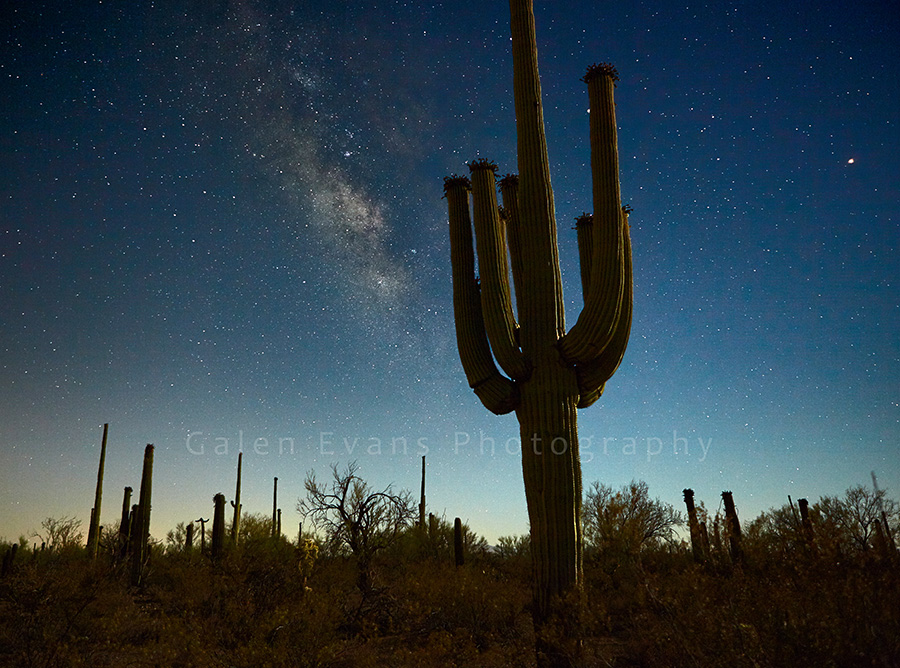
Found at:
<point>236,504</point>
<point>140,529</point>
<point>733,526</point>
<point>218,530</point>
<point>547,371</point>
<point>275,508</point>
<point>805,522</point>
<point>94,530</point>
<point>189,537</point>
<point>694,526</point>
<point>202,534</point>
<point>422,498</point>
<point>125,523</point>
<point>459,556</point>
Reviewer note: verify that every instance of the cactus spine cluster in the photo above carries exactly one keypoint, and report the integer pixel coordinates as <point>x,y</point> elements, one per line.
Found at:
<point>94,530</point>
<point>547,372</point>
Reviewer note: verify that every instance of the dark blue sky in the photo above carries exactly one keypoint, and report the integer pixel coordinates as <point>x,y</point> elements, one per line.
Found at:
<point>226,224</point>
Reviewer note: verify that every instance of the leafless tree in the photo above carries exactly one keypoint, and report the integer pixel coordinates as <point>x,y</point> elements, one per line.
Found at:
<point>851,519</point>
<point>627,520</point>
<point>355,518</point>
<point>60,533</point>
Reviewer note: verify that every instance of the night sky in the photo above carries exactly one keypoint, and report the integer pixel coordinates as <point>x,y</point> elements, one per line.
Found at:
<point>226,225</point>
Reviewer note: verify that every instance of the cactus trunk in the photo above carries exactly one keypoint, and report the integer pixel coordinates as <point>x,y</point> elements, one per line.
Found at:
<point>189,537</point>
<point>94,530</point>
<point>548,373</point>
<point>459,557</point>
<point>140,529</point>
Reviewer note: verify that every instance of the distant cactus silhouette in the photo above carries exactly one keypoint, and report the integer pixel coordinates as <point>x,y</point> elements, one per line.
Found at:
<point>236,504</point>
<point>94,529</point>
<point>140,528</point>
<point>548,372</point>
<point>218,530</point>
<point>275,508</point>
<point>733,525</point>
<point>694,527</point>
<point>459,556</point>
<point>125,523</point>
<point>422,498</point>
<point>202,534</point>
<point>805,522</point>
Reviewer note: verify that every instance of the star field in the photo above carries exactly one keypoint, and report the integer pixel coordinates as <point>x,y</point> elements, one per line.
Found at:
<point>227,222</point>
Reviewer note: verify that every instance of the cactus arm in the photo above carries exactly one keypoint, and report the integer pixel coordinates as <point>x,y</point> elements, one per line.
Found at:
<point>597,322</point>
<point>509,188</point>
<point>584,225</point>
<point>541,308</point>
<point>592,375</point>
<point>498,394</point>
<point>496,301</point>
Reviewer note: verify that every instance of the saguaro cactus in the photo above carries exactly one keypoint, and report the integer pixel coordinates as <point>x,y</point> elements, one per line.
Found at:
<point>459,555</point>
<point>694,526</point>
<point>805,522</point>
<point>422,498</point>
<point>94,530</point>
<point>140,525</point>
<point>275,508</point>
<point>548,372</point>
<point>218,530</point>
<point>125,523</point>
<point>189,537</point>
<point>236,504</point>
<point>734,529</point>
<point>202,534</point>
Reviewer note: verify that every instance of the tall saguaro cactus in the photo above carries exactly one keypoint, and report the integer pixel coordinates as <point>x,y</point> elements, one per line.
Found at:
<point>545,372</point>
<point>94,529</point>
<point>140,525</point>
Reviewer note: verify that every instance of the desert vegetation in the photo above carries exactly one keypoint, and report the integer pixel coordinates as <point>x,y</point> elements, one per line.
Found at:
<point>368,584</point>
